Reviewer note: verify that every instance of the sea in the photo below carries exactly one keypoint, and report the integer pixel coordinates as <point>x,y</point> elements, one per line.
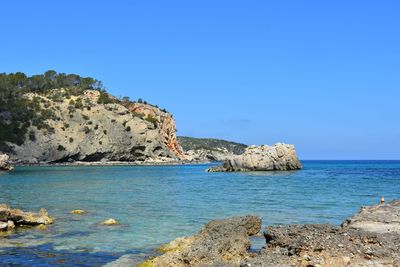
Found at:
<point>156,204</point>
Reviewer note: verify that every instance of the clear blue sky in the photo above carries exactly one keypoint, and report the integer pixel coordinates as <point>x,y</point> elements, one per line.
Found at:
<point>323,75</point>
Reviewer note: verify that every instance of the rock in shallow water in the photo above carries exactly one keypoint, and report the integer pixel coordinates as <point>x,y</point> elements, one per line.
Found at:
<point>16,217</point>
<point>110,221</point>
<point>79,212</point>
<point>279,157</point>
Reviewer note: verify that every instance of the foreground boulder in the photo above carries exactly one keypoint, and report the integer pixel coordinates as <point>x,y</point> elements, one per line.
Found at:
<point>218,242</point>
<point>5,164</point>
<point>9,218</point>
<point>279,157</point>
<point>354,243</point>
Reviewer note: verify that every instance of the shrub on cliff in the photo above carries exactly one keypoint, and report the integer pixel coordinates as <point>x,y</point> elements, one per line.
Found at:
<point>153,120</point>
<point>105,98</point>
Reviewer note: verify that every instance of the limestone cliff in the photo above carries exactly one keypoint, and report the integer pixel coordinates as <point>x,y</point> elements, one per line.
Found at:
<point>84,127</point>
<point>164,121</point>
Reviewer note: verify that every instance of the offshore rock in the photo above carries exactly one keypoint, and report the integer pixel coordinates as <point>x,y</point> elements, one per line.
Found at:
<point>279,157</point>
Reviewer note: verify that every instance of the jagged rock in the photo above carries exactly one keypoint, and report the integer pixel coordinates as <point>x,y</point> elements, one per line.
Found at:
<point>279,157</point>
<point>219,241</point>
<point>9,218</point>
<point>5,163</point>
<point>10,225</point>
<point>94,132</point>
<point>225,243</point>
<point>3,226</point>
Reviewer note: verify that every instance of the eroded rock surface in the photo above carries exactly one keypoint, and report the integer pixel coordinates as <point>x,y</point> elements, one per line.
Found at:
<point>383,218</point>
<point>9,218</point>
<point>279,157</point>
<point>218,242</point>
<point>354,243</point>
<point>82,129</point>
<point>5,164</point>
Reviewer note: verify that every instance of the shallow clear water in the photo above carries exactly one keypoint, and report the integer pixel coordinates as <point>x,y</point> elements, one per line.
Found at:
<point>155,204</point>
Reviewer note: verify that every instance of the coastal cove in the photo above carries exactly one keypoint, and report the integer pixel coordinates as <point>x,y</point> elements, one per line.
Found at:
<point>156,204</point>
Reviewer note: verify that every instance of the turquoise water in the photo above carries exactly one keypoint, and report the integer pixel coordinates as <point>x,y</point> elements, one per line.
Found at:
<point>155,204</point>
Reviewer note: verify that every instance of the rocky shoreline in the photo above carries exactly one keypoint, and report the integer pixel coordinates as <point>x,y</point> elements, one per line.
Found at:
<point>369,238</point>
<point>115,163</point>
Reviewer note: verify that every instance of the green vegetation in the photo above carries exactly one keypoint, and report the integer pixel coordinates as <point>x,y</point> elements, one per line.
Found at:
<point>105,98</point>
<point>14,84</point>
<point>86,130</point>
<point>190,143</point>
<point>153,120</point>
<point>18,112</point>
<point>19,109</point>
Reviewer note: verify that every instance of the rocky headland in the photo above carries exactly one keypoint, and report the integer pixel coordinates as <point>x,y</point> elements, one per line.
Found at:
<point>369,238</point>
<point>58,118</point>
<point>279,157</point>
<point>209,149</point>
<point>93,132</point>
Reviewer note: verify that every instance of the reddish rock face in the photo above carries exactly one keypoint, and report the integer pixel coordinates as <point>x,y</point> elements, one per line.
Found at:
<point>165,123</point>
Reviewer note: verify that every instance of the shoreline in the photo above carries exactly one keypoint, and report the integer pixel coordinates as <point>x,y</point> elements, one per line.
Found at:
<point>370,237</point>
<point>113,163</point>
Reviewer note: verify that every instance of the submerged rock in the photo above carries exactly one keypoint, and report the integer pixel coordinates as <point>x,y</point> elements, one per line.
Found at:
<point>15,217</point>
<point>79,212</point>
<point>279,157</point>
<point>354,243</point>
<point>5,164</point>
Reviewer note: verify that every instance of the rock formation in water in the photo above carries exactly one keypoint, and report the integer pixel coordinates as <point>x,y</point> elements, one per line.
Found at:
<point>5,164</point>
<point>85,127</point>
<point>279,157</point>
<point>370,238</point>
<point>9,218</point>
